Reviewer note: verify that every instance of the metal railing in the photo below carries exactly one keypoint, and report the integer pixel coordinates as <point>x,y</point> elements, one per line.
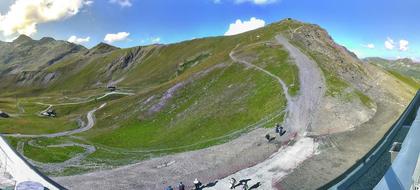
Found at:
<point>345,180</point>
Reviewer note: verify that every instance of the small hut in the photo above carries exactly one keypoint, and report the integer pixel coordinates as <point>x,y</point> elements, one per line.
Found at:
<point>4,114</point>
<point>112,88</point>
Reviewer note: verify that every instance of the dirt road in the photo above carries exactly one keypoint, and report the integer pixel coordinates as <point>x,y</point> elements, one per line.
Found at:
<point>301,110</point>
<point>222,160</point>
<point>91,122</point>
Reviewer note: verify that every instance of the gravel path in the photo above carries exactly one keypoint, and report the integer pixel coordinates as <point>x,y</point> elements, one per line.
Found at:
<point>222,160</point>
<point>57,167</point>
<point>88,100</point>
<point>301,110</point>
<point>89,125</point>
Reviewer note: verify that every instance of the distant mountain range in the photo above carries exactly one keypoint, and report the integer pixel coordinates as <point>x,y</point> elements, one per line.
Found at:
<point>26,54</point>
<point>404,66</point>
<point>191,94</point>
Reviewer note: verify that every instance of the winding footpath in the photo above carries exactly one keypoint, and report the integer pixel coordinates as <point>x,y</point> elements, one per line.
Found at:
<point>89,125</point>
<point>219,161</point>
<point>300,112</point>
<point>88,100</point>
<point>90,117</point>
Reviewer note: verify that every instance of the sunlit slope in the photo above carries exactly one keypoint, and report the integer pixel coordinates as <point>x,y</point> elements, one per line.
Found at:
<point>406,70</point>
<point>184,96</point>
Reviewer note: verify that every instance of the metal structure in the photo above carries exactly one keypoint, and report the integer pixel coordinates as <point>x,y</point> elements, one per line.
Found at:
<point>354,173</point>
<point>20,170</point>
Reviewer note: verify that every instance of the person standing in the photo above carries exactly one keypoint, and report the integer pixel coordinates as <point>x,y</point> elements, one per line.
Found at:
<point>277,128</point>
<point>267,136</point>
<point>232,182</point>
<point>197,184</point>
<point>245,186</point>
<point>181,186</point>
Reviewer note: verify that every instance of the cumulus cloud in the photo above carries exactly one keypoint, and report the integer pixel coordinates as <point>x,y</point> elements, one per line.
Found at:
<point>110,38</point>
<point>88,2</point>
<point>244,26</point>
<point>155,40</point>
<point>403,45</point>
<point>257,2</point>
<point>370,46</point>
<point>24,15</point>
<point>122,3</point>
<point>389,43</point>
<point>77,40</point>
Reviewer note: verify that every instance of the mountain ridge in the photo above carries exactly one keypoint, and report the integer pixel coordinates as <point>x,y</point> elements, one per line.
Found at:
<point>194,94</point>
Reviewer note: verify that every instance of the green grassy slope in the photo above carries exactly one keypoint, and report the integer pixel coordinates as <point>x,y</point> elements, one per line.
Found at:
<point>405,70</point>
<point>187,95</point>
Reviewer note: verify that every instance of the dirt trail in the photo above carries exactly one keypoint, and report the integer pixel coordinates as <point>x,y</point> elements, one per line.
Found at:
<point>57,167</point>
<point>301,110</point>
<point>89,125</point>
<point>222,160</point>
<point>283,85</point>
<point>88,100</point>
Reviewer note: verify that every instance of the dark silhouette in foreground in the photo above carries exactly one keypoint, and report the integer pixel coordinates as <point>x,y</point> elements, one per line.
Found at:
<point>269,138</point>
<point>255,186</point>
<point>181,186</point>
<point>280,130</point>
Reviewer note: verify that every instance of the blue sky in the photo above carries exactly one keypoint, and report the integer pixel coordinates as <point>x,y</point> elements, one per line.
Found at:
<point>362,26</point>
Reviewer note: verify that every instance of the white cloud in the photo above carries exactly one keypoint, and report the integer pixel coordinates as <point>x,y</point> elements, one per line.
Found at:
<point>257,2</point>
<point>88,2</point>
<point>370,46</point>
<point>122,3</point>
<point>24,15</point>
<point>155,40</point>
<point>389,43</point>
<point>152,40</point>
<point>110,38</point>
<point>76,40</point>
<point>240,27</point>
<point>403,45</point>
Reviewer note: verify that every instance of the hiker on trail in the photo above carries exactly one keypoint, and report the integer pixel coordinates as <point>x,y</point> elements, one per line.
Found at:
<point>280,130</point>
<point>169,188</point>
<point>232,182</point>
<point>181,186</point>
<point>197,184</point>
<point>267,136</point>
<point>277,128</point>
<point>245,186</point>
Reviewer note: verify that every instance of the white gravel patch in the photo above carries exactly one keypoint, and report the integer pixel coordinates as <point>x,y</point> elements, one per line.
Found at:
<point>277,166</point>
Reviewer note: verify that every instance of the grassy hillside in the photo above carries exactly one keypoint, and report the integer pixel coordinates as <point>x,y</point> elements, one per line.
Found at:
<point>26,54</point>
<point>186,96</point>
<point>405,70</point>
<point>178,97</point>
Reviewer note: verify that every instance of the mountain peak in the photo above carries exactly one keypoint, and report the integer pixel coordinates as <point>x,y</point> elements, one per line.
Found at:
<point>47,39</point>
<point>102,48</point>
<point>22,39</point>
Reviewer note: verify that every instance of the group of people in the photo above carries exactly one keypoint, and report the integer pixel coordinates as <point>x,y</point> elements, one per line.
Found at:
<point>181,186</point>
<point>279,129</point>
<point>198,185</point>
<point>233,184</point>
